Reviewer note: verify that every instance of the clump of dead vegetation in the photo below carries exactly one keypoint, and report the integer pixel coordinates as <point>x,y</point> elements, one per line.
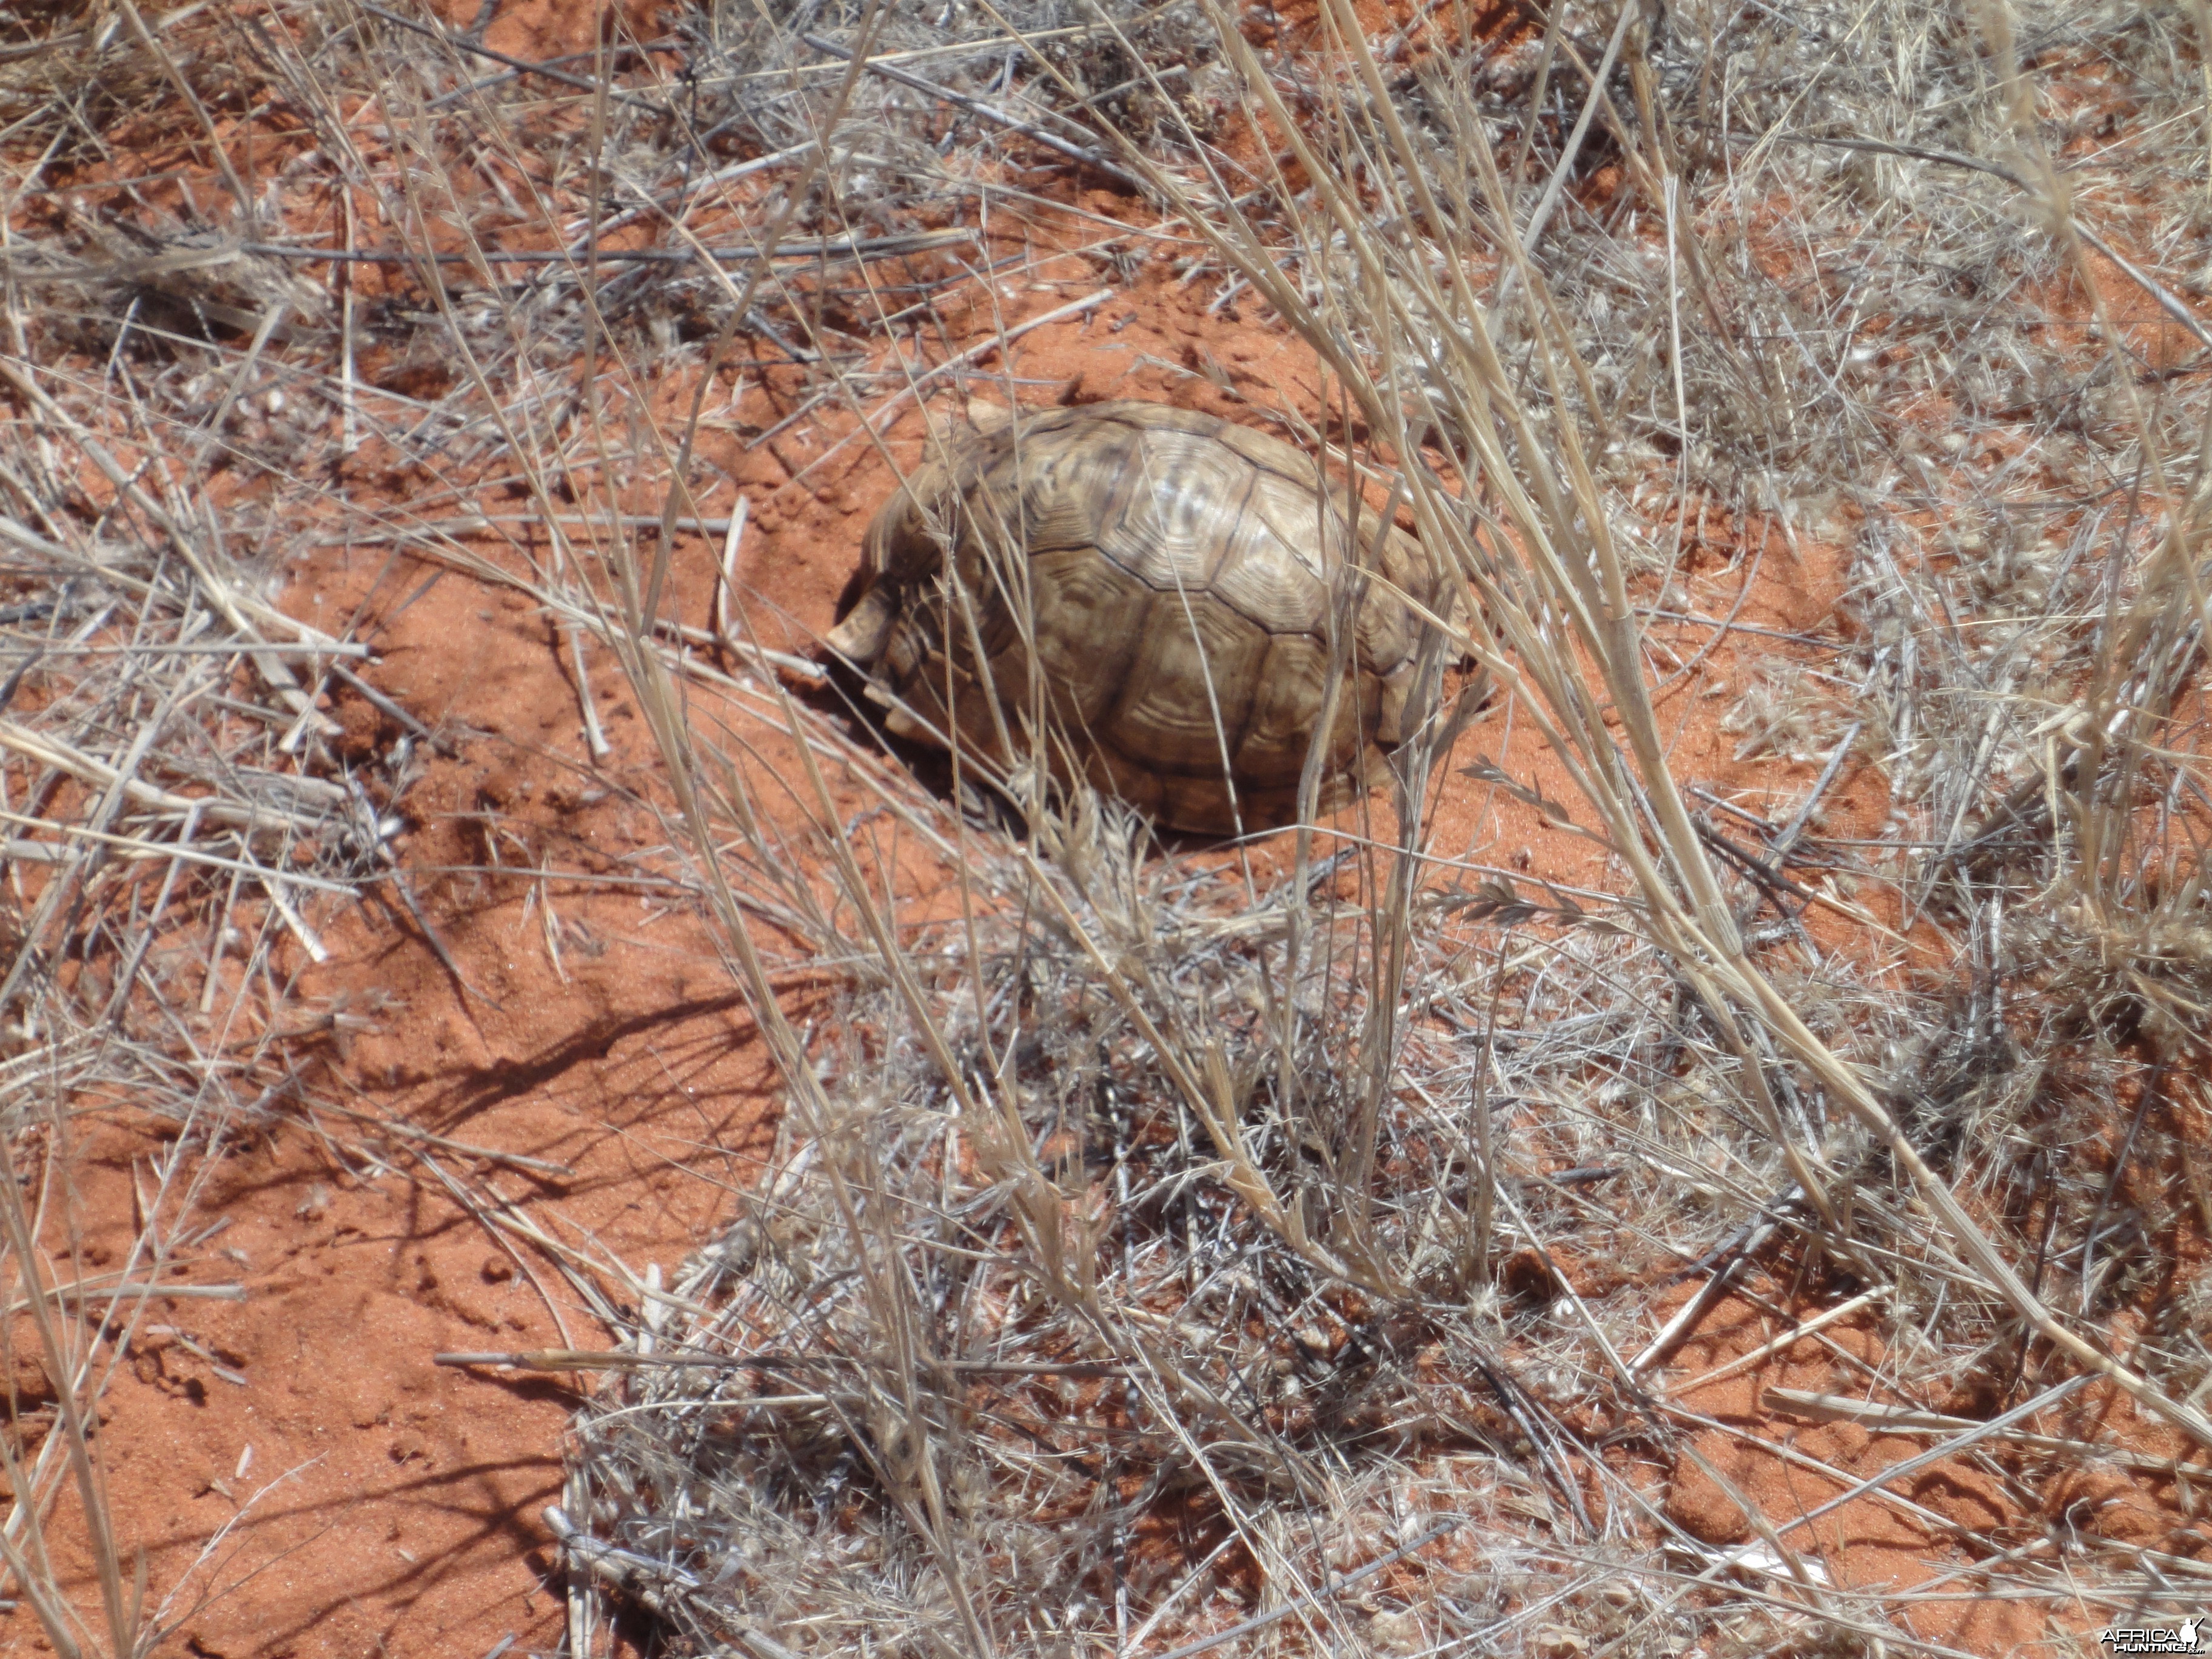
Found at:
<point>178,805</point>
<point>176,809</point>
<point>1162,1257</point>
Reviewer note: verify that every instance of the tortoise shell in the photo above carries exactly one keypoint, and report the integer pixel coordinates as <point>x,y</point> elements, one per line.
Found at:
<point>1154,588</point>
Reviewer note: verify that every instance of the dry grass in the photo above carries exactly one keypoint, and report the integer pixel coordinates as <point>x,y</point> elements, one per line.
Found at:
<point>1159,1259</point>
<point>176,809</point>
<point>171,812</point>
<point>1139,1204</point>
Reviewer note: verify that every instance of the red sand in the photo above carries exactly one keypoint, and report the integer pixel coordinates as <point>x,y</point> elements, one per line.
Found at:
<point>364,1501</point>
<point>398,1504</point>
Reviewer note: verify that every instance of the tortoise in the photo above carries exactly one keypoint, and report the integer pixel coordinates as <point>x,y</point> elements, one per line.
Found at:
<point>1173,602</point>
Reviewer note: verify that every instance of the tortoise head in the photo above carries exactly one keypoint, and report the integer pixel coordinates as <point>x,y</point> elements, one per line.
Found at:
<point>898,553</point>
<point>883,635</point>
<point>902,549</point>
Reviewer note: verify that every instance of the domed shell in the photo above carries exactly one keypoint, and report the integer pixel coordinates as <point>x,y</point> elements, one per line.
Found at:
<point>1152,587</point>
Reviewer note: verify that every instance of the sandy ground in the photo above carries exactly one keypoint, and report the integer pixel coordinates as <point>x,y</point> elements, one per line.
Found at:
<point>297,1468</point>
<point>376,1501</point>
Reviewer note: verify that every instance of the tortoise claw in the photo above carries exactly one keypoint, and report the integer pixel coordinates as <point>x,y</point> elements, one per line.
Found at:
<point>863,635</point>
